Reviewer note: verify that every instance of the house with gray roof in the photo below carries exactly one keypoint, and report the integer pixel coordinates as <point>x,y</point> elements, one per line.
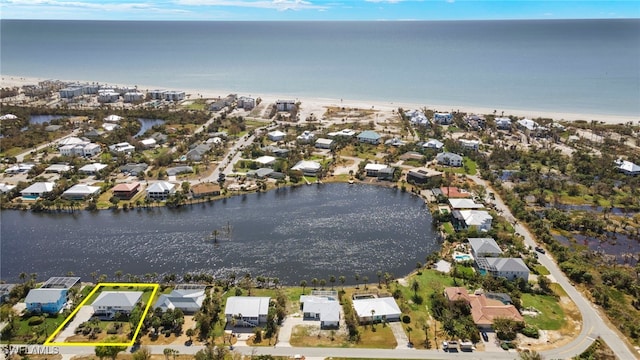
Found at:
<point>160,190</point>
<point>377,309</point>
<point>466,219</point>
<point>5,291</point>
<point>509,268</point>
<point>80,191</point>
<point>108,303</point>
<point>134,169</point>
<point>369,137</point>
<point>198,152</point>
<point>49,300</point>
<point>483,247</point>
<point>187,300</point>
<point>451,159</point>
<point>176,170</point>
<point>37,190</point>
<point>260,173</point>
<point>247,310</point>
<point>323,308</point>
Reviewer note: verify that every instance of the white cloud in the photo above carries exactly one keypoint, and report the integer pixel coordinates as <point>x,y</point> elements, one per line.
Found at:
<point>280,5</point>
<point>86,5</point>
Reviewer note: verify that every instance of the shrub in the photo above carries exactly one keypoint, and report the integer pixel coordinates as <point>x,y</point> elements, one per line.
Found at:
<point>406,319</point>
<point>531,331</point>
<point>35,320</point>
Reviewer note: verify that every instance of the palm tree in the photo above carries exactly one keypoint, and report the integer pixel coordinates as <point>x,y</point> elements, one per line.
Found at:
<point>94,275</point>
<point>22,276</point>
<point>357,277</point>
<point>314,282</point>
<point>379,274</point>
<point>373,313</point>
<point>323,282</point>
<point>415,285</point>
<point>215,234</point>
<point>409,330</point>
<point>118,275</point>
<point>365,280</point>
<point>332,280</point>
<point>342,279</point>
<point>303,283</point>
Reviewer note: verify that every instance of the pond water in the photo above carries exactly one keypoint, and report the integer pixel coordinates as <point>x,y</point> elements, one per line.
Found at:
<point>41,119</point>
<point>615,244</point>
<point>594,209</point>
<point>289,233</point>
<point>147,124</point>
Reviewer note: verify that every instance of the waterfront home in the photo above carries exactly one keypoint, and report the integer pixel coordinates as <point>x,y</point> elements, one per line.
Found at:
<point>422,175</point>
<point>80,192</point>
<point>205,189</point>
<point>4,188</point>
<point>467,219</point>
<point>276,135</point>
<point>323,143</point>
<point>509,268</point>
<point>246,103</point>
<point>132,96</point>
<point>326,309</point>
<point>484,310</point>
<point>531,127</point>
<point>156,94</point>
<point>177,170</point>
<point>92,169</point>
<point>109,303</point>
<point>134,169</point>
<point>306,137</point>
<point>443,118</point>
<point>285,105</point>
<point>377,309</point>
<point>108,96</point>
<point>433,144</point>
<point>46,300</point>
<point>37,190</point>
<point>260,173</point>
<point>503,123</point>
<point>369,137</point>
<point>160,190</point>
<point>126,190</point>
<point>451,192</point>
<point>372,169</point>
<point>61,282</point>
<point>463,204</point>
<point>483,247</point>
<point>113,118</point>
<point>628,168</point>
<point>198,152</point>
<point>247,310</point>
<point>417,117</point>
<point>475,122</point>
<point>58,168</point>
<point>469,144</point>
<point>450,159</point>
<point>189,299</point>
<point>123,147</point>
<point>387,173</point>
<point>265,161</point>
<point>308,168</point>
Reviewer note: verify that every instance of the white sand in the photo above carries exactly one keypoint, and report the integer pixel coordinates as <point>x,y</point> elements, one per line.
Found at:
<point>317,105</point>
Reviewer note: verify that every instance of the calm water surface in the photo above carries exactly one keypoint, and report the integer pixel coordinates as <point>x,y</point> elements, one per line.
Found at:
<point>290,233</point>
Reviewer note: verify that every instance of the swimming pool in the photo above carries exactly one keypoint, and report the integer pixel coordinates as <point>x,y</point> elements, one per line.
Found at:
<point>463,257</point>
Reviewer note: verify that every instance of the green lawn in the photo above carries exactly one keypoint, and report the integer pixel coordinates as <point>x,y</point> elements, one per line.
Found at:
<point>551,316</point>
<point>448,228</point>
<point>542,270</point>
<point>470,166</point>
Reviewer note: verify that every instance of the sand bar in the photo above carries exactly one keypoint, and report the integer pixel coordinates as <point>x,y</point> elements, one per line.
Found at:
<point>318,104</point>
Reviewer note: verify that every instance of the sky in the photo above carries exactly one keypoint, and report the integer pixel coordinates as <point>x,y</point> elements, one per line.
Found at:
<point>326,10</point>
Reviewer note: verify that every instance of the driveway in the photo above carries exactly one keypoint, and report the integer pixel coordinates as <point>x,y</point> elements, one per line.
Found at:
<point>287,328</point>
<point>400,335</point>
<point>84,314</point>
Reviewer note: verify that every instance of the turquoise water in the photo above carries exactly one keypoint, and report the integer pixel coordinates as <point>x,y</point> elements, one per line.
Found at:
<point>583,66</point>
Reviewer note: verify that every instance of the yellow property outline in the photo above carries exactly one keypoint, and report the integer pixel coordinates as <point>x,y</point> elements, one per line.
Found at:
<point>49,342</point>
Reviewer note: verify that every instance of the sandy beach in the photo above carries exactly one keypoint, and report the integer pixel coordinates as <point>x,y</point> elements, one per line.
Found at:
<point>317,105</point>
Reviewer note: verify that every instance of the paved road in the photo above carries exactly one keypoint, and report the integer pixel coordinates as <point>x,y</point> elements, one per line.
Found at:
<point>593,324</point>
<point>20,157</point>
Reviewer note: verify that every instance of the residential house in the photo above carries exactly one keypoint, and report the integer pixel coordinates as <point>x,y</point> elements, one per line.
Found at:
<point>484,310</point>
<point>61,282</point>
<point>86,149</point>
<point>189,300</point>
<point>260,173</point>
<point>246,103</point>
<point>123,147</point>
<point>148,143</point>
<point>323,143</point>
<point>58,168</point>
<point>308,168</point>
<point>5,292</point>
<point>422,175</point>
<point>205,189</point>
<point>177,170</point>
<point>276,151</point>
<point>343,133</point>
<point>92,169</point>
<point>372,169</point>
<point>463,204</point>
<point>160,190</point>
<point>469,144</point>
<point>5,188</point>
<point>134,169</point>
<point>37,190</point>
<point>19,168</point>
<point>532,128</point>
<point>247,310</point>
<point>394,142</point>
<point>110,126</point>
<point>452,192</point>
<point>48,300</point>
<point>285,105</point>
<point>126,190</point>
<point>198,152</point>
<point>386,174</point>
<point>628,168</point>
<point>80,192</point>
<point>509,268</point>
<point>475,122</point>
<point>433,144</point>
<point>265,161</point>
<point>113,118</point>
<point>503,123</point>
<point>159,137</point>
<point>369,137</point>
<point>443,118</point>
<point>377,309</point>
<point>306,137</point>
<point>450,159</point>
<point>276,135</point>
<point>417,117</point>
<point>71,141</point>
<point>109,303</point>
<point>326,309</point>
<point>466,219</point>
<point>483,247</point>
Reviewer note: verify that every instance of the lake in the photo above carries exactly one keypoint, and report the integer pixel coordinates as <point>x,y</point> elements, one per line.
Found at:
<point>290,233</point>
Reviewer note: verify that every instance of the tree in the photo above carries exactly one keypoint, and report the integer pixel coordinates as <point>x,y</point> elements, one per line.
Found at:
<point>323,282</point>
<point>379,274</point>
<point>357,277</point>
<point>415,286</point>
<point>110,351</point>
<point>530,355</point>
<point>365,280</point>
<point>142,353</point>
<point>342,279</point>
<point>118,275</point>
<point>212,352</point>
<point>314,282</point>
<point>409,330</point>
<point>303,284</point>
<point>332,280</point>
<point>189,333</point>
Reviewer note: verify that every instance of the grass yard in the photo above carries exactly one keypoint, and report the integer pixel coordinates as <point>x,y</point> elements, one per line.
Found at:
<point>312,336</point>
<point>551,316</point>
<point>448,228</point>
<point>381,338</point>
<point>36,333</point>
<point>541,270</point>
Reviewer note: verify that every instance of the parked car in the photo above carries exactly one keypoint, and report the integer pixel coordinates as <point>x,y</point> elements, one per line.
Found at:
<point>540,250</point>
<point>485,337</point>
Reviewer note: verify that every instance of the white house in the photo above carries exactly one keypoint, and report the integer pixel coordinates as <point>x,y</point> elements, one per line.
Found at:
<point>110,126</point>
<point>123,147</point>
<point>503,123</point>
<point>377,309</point>
<point>285,105</point>
<point>247,310</point>
<point>266,161</point>
<point>113,118</point>
<point>325,309</point>
<point>628,168</point>
<point>91,169</point>
<point>462,204</point>
<point>6,187</point>
<point>323,143</point>
<point>108,303</point>
<point>343,132</point>
<point>306,136</point>
<point>37,189</point>
<point>479,219</point>
<point>417,117</point>
<point>373,169</point>
<point>451,159</point>
<point>148,143</point>
<point>80,191</point>
<point>433,144</point>
<point>187,300</point>
<point>174,95</point>
<point>160,190</point>
<point>483,247</point>
<point>58,168</point>
<point>510,268</point>
<point>276,135</point>
<point>470,144</point>
<point>309,168</point>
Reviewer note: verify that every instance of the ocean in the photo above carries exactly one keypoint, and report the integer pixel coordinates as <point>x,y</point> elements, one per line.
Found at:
<point>578,66</point>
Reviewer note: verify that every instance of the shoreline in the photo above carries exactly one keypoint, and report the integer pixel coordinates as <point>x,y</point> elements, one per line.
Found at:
<point>317,104</point>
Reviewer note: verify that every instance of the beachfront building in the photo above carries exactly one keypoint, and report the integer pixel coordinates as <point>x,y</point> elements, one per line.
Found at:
<point>247,310</point>
<point>450,159</point>
<point>469,144</point>
<point>156,94</point>
<point>417,118</point>
<point>628,168</point>
<point>276,135</point>
<point>308,168</point>
<point>123,147</point>
<point>422,175</point>
<point>369,137</point>
<point>443,118</point>
<point>509,268</point>
<point>323,143</point>
<point>70,92</point>
<point>484,310</point>
<point>484,247</point>
<point>377,309</point>
<point>108,96</point>
<point>174,95</point>
<point>126,191</point>
<point>109,303</point>
<point>188,299</point>
<point>285,105</point>
<point>503,123</point>
<point>92,169</point>
<point>433,144</point>
<point>80,192</point>
<point>132,96</point>
<point>326,309</point>
<point>37,190</point>
<point>469,219</point>
<point>475,122</point>
<point>531,127</point>
<point>46,300</point>
<point>246,103</point>
<point>160,190</point>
